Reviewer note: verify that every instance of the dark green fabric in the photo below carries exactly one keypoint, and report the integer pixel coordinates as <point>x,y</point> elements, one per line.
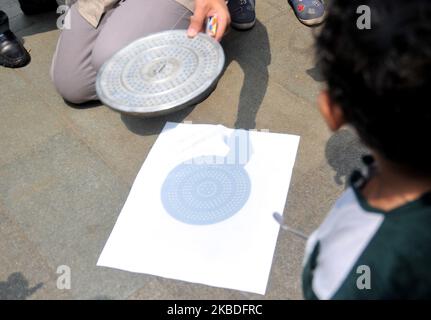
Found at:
<point>399,256</point>
<point>307,274</point>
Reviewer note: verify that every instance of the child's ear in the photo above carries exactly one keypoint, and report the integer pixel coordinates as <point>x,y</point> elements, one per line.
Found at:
<point>331,112</point>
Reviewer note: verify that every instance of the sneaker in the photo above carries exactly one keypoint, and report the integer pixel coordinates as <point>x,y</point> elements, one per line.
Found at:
<point>309,12</point>
<point>242,13</point>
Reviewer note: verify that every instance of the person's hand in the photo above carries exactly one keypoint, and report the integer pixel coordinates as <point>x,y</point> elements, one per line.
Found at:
<point>205,9</point>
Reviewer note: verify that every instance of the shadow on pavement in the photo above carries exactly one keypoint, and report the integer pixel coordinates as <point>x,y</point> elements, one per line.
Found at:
<point>16,287</point>
<point>83,106</point>
<point>151,126</point>
<point>344,152</point>
<point>251,50</point>
<point>315,74</point>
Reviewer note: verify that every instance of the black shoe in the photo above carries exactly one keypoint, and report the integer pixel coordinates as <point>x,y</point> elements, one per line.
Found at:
<point>242,13</point>
<point>30,7</point>
<point>12,52</point>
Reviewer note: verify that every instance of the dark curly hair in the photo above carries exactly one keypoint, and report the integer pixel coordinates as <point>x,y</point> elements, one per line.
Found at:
<point>381,77</point>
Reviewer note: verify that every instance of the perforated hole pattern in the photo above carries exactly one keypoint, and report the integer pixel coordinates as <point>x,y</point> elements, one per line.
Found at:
<point>160,71</point>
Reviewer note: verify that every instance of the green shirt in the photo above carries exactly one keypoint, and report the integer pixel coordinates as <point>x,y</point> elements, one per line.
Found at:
<point>360,252</point>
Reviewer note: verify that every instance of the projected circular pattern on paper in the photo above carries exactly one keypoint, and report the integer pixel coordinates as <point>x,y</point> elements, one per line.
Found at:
<point>202,194</point>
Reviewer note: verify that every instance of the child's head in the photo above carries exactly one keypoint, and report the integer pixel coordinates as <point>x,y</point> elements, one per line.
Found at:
<point>379,79</point>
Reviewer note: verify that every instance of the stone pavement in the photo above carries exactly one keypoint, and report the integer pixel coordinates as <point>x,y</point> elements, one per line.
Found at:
<point>65,172</point>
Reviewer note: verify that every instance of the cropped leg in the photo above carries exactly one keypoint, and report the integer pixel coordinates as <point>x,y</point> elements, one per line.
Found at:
<point>82,50</point>
<point>72,71</point>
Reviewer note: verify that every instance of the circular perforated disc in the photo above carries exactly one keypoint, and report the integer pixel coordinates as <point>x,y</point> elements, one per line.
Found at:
<point>160,73</point>
<point>206,193</point>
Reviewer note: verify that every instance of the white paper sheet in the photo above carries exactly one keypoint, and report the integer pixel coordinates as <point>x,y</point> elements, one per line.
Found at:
<point>200,219</point>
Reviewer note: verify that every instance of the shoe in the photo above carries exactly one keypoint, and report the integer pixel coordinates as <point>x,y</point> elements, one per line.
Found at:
<point>242,13</point>
<point>30,7</point>
<point>309,12</point>
<point>12,52</point>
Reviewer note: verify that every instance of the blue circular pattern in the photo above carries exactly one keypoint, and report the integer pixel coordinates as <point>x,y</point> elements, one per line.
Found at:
<point>202,194</point>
